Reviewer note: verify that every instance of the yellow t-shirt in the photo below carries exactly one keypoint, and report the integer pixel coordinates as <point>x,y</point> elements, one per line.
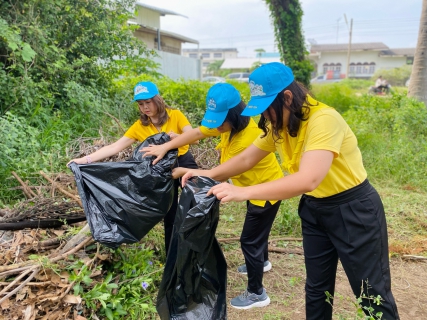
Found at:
<point>267,169</point>
<point>176,122</point>
<point>325,129</point>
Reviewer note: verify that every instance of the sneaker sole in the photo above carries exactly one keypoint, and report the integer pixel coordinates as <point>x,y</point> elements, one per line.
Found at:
<point>258,304</point>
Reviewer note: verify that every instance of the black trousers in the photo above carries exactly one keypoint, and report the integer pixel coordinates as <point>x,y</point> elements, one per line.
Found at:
<point>254,241</point>
<point>187,161</point>
<point>350,226</point>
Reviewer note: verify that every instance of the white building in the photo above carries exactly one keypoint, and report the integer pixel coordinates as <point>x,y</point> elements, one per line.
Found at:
<point>365,59</point>
<point>209,55</point>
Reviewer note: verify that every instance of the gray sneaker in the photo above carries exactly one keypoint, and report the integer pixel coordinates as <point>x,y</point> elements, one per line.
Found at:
<point>249,300</point>
<point>242,269</point>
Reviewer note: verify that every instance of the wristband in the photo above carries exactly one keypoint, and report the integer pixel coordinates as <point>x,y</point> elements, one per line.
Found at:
<point>88,159</point>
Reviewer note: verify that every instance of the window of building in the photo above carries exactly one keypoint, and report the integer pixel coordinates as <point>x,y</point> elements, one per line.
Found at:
<point>359,69</point>
<point>338,67</point>
<point>206,55</point>
<point>325,68</point>
<point>410,60</point>
<point>372,67</point>
<point>205,64</point>
<point>193,55</point>
<point>218,55</point>
<point>352,69</point>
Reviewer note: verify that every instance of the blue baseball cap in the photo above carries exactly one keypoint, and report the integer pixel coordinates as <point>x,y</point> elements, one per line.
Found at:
<point>144,91</point>
<point>265,83</point>
<point>220,98</point>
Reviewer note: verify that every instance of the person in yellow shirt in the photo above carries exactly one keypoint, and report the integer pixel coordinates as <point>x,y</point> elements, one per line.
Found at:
<point>155,117</point>
<point>222,118</point>
<point>341,213</point>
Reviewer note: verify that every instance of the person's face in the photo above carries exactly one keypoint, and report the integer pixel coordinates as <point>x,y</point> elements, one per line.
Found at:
<point>225,127</point>
<point>147,107</point>
<point>271,115</point>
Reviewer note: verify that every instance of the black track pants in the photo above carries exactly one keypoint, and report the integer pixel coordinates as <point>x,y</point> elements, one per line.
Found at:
<point>254,241</point>
<point>350,226</point>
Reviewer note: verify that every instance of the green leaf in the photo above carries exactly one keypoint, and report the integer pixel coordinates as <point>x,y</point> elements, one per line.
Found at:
<point>28,53</point>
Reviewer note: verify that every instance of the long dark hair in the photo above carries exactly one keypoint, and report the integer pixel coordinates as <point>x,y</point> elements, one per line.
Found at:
<point>299,108</point>
<point>237,121</point>
<point>161,110</point>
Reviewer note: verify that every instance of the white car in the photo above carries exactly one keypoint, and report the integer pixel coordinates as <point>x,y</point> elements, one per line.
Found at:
<point>213,80</point>
<point>239,76</point>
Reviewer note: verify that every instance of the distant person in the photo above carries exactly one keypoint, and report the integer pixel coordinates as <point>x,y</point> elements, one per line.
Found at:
<point>223,118</point>
<point>342,216</point>
<point>155,117</point>
<point>382,85</point>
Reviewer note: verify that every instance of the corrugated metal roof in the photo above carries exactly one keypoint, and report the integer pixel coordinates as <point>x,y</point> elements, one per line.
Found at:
<point>375,46</point>
<point>163,12</point>
<point>165,33</point>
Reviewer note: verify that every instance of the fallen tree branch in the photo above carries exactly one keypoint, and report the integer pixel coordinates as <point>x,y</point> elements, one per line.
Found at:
<point>411,257</point>
<point>11,284</point>
<point>40,223</point>
<point>271,239</point>
<point>36,270</point>
<point>27,191</point>
<point>285,250</point>
<point>72,196</point>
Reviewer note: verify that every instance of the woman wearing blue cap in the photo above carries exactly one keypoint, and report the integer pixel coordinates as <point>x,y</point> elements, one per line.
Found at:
<point>342,215</point>
<point>155,117</point>
<point>222,118</point>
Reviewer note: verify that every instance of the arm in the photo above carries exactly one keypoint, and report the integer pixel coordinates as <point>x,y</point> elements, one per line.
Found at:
<point>237,165</point>
<point>106,151</point>
<point>190,135</point>
<point>313,169</point>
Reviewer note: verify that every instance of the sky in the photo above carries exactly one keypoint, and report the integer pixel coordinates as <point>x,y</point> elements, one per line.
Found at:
<point>246,24</point>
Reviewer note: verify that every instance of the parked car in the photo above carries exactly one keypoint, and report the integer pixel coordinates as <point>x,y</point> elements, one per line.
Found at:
<point>239,76</point>
<point>213,80</point>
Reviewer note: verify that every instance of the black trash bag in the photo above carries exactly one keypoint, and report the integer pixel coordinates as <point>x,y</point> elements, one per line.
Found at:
<point>194,281</point>
<point>124,200</point>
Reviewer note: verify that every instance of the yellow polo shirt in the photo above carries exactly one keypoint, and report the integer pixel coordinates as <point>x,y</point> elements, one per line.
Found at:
<point>176,122</point>
<point>325,130</point>
<point>266,170</point>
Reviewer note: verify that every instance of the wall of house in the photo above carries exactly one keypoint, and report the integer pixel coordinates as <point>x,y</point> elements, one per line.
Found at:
<point>168,44</point>
<point>147,38</point>
<point>176,66</point>
<point>358,57</point>
<point>207,60</point>
<point>147,17</point>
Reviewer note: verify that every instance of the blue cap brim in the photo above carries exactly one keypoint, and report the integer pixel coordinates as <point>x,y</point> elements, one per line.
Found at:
<point>258,105</point>
<point>213,120</point>
<point>144,96</point>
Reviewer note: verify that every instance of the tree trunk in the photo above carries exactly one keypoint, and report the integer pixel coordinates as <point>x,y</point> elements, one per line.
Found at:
<point>418,82</point>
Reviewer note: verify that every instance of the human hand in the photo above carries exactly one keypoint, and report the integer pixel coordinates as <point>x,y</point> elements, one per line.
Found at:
<point>193,173</point>
<point>173,135</point>
<point>158,151</point>
<point>82,160</point>
<point>179,172</point>
<point>227,192</point>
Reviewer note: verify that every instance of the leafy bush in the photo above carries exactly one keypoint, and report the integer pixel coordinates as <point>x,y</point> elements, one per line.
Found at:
<point>395,76</point>
<point>337,95</point>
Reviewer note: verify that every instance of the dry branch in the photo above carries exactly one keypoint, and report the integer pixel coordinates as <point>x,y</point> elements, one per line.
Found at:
<point>36,270</point>
<point>61,189</point>
<point>284,250</point>
<point>411,257</point>
<point>27,191</point>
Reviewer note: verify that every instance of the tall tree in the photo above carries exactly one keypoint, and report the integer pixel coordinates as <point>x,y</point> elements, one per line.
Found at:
<point>286,16</point>
<point>418,83</point>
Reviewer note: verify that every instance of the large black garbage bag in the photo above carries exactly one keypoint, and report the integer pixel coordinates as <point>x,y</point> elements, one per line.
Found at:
<point>194,281</point>
<point>124,200</point>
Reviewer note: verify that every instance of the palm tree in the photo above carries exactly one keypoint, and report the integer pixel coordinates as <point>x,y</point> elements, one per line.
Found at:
<point>418,83</point>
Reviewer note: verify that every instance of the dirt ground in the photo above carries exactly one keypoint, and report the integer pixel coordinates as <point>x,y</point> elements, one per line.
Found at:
<point>285,287</point>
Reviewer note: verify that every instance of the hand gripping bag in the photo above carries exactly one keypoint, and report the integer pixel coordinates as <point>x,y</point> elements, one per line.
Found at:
<point>194,281</point>
<point>123,201</point>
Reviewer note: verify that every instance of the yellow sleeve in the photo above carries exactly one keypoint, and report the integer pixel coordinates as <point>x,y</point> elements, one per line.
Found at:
<point>181,120</point>
<point>132,132</point>
<point>209,132</point>
<point>326,132</point>
<point>267,143</point>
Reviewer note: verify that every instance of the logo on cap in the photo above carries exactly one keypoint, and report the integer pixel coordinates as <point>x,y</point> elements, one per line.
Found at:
<point>256,89</point>
<point>140,89</point>
<point>212,104</point>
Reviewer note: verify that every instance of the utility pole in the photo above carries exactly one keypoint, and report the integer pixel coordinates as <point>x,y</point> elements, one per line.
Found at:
<point>349,45</point>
